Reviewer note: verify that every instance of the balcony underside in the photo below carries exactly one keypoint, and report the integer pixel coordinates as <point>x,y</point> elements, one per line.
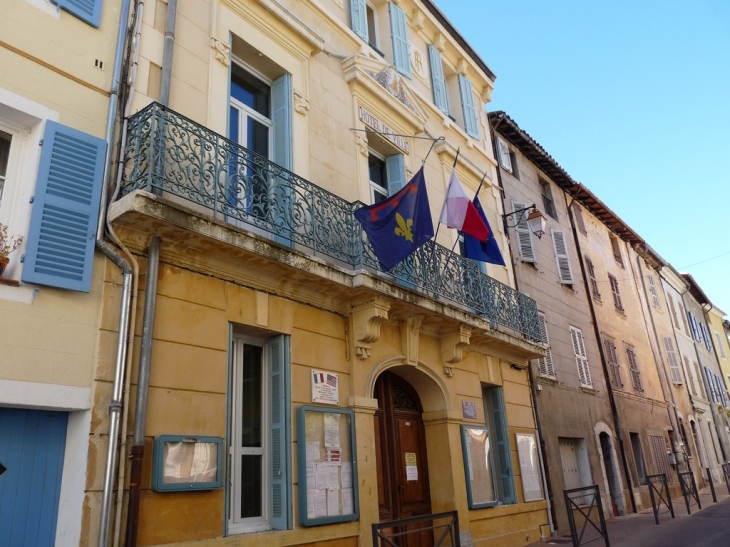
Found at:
<point>219,248</point>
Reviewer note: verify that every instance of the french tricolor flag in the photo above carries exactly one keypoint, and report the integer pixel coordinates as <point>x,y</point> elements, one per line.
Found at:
<point>459,211</point>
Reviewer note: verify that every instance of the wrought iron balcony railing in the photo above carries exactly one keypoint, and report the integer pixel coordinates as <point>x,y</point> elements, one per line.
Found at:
<point>167,152</point>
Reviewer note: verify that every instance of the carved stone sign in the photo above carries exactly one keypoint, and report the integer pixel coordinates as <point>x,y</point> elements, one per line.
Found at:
<point>375,124</point>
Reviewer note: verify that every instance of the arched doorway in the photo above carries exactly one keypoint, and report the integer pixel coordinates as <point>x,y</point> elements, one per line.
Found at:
<point>611,472</point>
<point>402,466</point>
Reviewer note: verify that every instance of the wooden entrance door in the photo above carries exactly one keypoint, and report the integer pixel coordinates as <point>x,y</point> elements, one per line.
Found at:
<point>400,444</point>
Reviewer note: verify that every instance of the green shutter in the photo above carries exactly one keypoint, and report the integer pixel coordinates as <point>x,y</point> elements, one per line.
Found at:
<point>468,109</point>
<point>396,172</point>
<point>86,10</point>
<point>281,118</point>
<point>401,47</point>
<point>359,18</point>
<point>62,232</point>
<point>438,82</point>
<point>500,434</point>
<point>280,426</point>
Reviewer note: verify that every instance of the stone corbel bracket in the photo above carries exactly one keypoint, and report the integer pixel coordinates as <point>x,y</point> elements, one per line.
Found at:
<point>366,321</point>
<point>452,347</point>
<point>222,51</point>
<point>410,333</point>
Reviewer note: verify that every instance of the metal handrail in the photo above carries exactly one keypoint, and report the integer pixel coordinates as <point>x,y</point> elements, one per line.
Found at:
<point>651,481</point>
<point>450,529</point>
<point>171,154</point>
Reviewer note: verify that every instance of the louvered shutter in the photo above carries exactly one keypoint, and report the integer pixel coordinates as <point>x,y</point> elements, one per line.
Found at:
<point>438,82</point>
<point>86,10</point>
<point>281,118</point>
<point>501,437</point>
<point>395,170</point>
<point>633,368</point>
<point>653,291</point>
<point>279,461</point>
<point>62,232</point>
<point>579,218</point>
<point>565,272</point>
<point>504,158</point>
<point>592,278</point>
<point>359,18</point>
<point>673,310</point>
<point>612,358</point>
<point>706,337</point>
<point>524,237</point>
<point>401,47</point>
<point>545,363</point>
<point>672,359</point>
<point>581,357</point>
<point>468,109</point>
<point>720,346</point>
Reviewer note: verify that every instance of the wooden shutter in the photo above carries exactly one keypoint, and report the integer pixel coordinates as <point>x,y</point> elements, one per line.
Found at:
<point>279,425</point>
<point>612,359</point>
<point>673,310</point>
<point>592,278</point>
<point>504,159</point>
<point>468,108</point>
<point>684,319</point>
<point>579,218</point>
<point>633,368</point>
<point>396,172</point>
<point>706,336</point>
<point>720,346</point>
<point>581,358</point>
<point>86,10</point>
<point>438,82</point>
<point>359,18</point>
<point>62,232</point>
<point>616,295</point>
<point>653,291</point>
<point>501,437</point>
<point>545,363</point>
<point>524,236</point>
<point>399,33</point>
<point>565,273</point>
<point>672,360</point>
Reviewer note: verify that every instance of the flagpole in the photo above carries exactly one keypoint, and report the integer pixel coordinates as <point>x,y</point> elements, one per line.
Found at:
<point>438,226</point>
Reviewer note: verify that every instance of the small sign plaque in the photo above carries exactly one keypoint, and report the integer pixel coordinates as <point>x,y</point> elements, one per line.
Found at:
<point>325,387</point>
<point>469,409</point>
<point>386,132</point>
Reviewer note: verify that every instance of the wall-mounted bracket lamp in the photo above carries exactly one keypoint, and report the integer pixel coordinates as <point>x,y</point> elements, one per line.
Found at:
<point>535,220</point>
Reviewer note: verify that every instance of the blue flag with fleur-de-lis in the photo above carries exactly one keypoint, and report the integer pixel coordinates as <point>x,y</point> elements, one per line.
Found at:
<point>399,225</point>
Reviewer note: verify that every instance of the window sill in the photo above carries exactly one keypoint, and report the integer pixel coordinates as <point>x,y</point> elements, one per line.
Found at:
<point>589,390</point>
<point>9,282</point>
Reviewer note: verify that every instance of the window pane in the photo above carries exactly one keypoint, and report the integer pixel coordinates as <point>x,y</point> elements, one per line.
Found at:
<point>250,90</point>
<point>480,466</point>
<point>251,486</point>
<point>251,390</point>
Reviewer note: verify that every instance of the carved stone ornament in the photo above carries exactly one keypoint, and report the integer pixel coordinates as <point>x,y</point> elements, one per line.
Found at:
<point>452,347</point>
<point>392,82</point>
<point>366,321</point>
<point>362,145</point>
<point>301,104</point>
<point>410,333</point>
<point>222,51</point>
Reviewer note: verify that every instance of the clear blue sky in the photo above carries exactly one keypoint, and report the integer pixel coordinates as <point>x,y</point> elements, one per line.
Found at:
<point>633,100</point>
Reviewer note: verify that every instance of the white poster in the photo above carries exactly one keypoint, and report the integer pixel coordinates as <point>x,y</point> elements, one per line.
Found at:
<point>325,387</point>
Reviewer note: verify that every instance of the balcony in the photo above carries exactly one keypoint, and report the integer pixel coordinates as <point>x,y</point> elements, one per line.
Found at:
<point>168,154</point>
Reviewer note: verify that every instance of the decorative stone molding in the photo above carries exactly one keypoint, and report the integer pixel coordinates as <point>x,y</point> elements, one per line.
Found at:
<point>410,333</point>
<point>301,104</point>
<point>417,19</point>
<point>392,82</point>
<point>366,321</point>
<point>222,51</point>
<point>452,347</point>
<point>362,144</point>
<point>462,67</point>
<point>439,42</point>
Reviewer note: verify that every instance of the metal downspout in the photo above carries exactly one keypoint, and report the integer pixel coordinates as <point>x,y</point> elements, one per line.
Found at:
<point>115,406</point>
<point>604,361</point>
<point>542,454</point>
<point>167,51</point>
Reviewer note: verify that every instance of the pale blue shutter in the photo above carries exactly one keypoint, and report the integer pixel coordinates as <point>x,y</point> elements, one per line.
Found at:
<point>438,82</point>
<point>467,105</point>
<point>281,119</point>
<point>62,232</point>
<point>359,18</point>
<point>279,461</point>
<point>396,173</point>
<point>86,10</point>
<point>399,32</point>
<point>501,438</point>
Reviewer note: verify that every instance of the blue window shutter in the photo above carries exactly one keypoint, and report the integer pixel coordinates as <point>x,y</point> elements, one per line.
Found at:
<point>86,10</point>
<point>396,173</point>
<point>60,248</point>
<point>401,47</point>
<point>500,433</point>
<point>281,118</point>
<point>359,18</point>
<point>438,82</point>
<point>467,106</point>
<point>280,462</point>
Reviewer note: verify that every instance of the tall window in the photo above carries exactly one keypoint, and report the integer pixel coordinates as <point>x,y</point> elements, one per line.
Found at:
<point>672,360</point>
<point>260,469</point>
<point>616,295</point>
<point>720,345</point>
<point>547,199</point>
<point>690,377</point>
<point>653,291</point>
<point>616,247</point>
<point>609,347</point>
<point>387,175</point>
<point>634,371</point>
<point>579,218</point>
<point>581,357</point>
<point>523,233</point>
<point>502,457</point>
<point>5,139</point>
<point>565,273</point>
<point>673,310</point>
<point>592,277</point>
<point>545,363</point>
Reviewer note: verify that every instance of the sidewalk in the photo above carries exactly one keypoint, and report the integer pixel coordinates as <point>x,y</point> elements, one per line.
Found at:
<point>708,526</point>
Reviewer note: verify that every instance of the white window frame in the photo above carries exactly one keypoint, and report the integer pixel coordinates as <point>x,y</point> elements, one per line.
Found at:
<point>374,186</point>
<point>247,111</point>
<point>238,525</point>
